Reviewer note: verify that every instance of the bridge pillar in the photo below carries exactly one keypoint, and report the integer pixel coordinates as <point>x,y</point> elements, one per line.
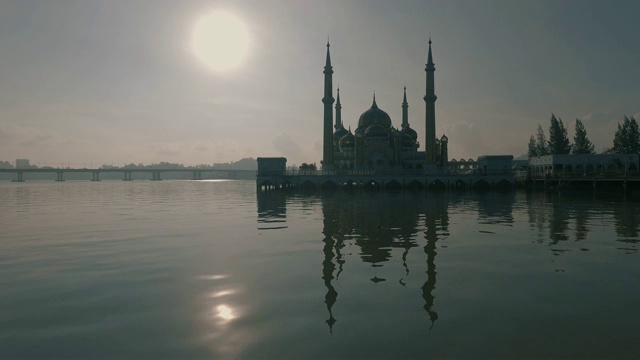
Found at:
<point>127,176</point>
<point>197,175</point>
<point>59,176</point>
<point>95,176</point>
<point>155,176</point>
<point>19,179</point>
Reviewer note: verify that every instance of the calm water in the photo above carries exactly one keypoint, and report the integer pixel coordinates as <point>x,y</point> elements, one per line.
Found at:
<point>209,269</point>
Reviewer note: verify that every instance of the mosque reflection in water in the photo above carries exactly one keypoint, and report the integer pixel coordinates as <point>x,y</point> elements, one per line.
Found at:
<point>382,223</point>
<point>377,223</point>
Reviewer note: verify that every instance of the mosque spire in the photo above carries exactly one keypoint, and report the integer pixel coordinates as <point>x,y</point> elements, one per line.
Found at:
<point>327,100</point>
<point>327,64</point>
<point>430,110</point>
<point>338,124</point>
<point>374,105</point>
<point>430,65</point>
<point>405,111</point>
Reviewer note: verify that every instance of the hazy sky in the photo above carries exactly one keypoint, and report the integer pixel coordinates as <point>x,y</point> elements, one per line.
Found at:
<point>115,81</point>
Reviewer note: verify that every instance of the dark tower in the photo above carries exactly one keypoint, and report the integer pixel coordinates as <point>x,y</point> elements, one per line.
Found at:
<point>430,113</point>
<point>338,124</point>
<point>327,100</point>
<point>405,110</point>
<point>444,152</point>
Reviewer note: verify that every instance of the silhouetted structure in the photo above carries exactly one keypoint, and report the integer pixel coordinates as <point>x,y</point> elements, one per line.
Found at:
<point>376,144</point>
<point>379,155</point>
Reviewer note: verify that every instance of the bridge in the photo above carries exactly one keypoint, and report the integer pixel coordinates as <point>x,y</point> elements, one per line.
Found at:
<point>196,174</point>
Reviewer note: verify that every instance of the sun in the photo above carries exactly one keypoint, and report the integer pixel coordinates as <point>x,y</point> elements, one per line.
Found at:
<point>220,40</point>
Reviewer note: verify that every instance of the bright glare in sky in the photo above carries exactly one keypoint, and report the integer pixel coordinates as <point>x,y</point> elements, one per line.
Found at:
<point>220,40</point>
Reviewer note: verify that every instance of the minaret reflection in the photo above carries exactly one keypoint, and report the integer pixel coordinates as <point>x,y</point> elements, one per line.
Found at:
<point>379,225</point>
<point>437,224</point>
<point>328,267</point>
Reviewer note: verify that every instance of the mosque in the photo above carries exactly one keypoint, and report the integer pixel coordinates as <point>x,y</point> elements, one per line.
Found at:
<point>376,144</point>
<point>379,154</point>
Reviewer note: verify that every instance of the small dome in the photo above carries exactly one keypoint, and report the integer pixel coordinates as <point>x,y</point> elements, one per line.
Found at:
<point>444,138</point>
<point>409,131</point>
<point>376,130</point>
<point>348,141</point>
<point>374,115</point>
<point>339,134</point>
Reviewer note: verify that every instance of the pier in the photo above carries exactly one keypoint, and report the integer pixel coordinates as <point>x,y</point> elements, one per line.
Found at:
<point>381,180</point>
<point>612,181</point>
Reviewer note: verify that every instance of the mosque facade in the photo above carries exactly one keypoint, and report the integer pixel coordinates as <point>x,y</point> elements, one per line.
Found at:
<point>376,144</point>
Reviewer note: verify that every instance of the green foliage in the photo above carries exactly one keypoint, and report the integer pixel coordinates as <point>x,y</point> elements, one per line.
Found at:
<point>582,144</point>
<point>558,140</point>
<point>627,137</point>
<point>533,150</point>
<point>306,166</point>
<point>541,143</point>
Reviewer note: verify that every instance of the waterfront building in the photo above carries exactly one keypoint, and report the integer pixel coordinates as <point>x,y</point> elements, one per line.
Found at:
<point>379,155</point>
<point>22,164</point>
<point>376,144</point>
<point>495,164</point>
<point>272,166</point>
<point>462,166</point>
<point>583,164</point>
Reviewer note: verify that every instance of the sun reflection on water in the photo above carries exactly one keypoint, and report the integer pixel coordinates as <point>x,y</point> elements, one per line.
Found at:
<point>223,293</point>
<point>225,312</point>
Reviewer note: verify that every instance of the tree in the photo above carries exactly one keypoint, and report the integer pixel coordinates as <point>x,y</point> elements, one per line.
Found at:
<point>533,151</point>
<point>308,167</point>
<point>541,142</point>
<point>558,140</point>
<point>627,137</point>
<point>582,144</point>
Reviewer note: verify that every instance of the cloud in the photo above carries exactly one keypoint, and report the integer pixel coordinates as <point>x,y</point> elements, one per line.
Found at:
<point>465,140</point>
<point>284,144</point>
<point>37,140</point>
<point>601,127</point>
<point>4,136</point>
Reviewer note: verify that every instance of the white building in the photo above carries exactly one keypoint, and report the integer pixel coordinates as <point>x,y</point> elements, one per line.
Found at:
<point>22,164</point>
<point>583,164</point>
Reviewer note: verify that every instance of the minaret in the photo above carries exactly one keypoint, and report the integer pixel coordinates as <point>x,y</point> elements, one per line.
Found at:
<point>327,100</point>
<point>430,113</point>
<point>405,110</point>
<point>338,124</point>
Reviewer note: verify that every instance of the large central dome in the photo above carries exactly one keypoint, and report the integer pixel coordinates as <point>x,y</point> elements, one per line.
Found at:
<point>374,115</point>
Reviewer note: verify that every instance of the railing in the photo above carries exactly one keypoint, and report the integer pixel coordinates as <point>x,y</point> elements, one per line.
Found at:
<point>587,176</point>
<point>402,172</point>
